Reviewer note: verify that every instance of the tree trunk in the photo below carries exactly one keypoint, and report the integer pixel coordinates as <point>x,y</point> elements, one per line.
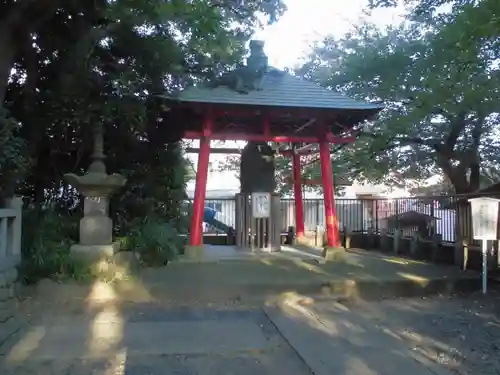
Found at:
<point>457,175</point>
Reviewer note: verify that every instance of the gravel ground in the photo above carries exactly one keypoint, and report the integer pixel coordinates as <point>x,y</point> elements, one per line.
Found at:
<point>460,333</point>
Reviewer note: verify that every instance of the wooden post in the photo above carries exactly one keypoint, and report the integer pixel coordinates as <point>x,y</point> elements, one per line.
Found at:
<point>498,254</point>
<point>414,244</point>
<point>196,238</point>
<point>319,242</point>
<point>384,239</point>
<point>239,224</point>
<point>297,192</point>
<point>370,236</point>
<point>275,231</point>
<point>347,236</point>
<point>397,241</point>
<point>436,243</point>
<point>332,226</point>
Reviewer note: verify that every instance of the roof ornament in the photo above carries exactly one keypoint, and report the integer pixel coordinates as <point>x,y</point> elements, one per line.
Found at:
<point>249,77</point>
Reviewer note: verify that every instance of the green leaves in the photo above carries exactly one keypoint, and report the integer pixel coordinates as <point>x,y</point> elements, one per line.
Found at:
<point>438,79</point>
<point>13,159</point>
<point>79,63</point>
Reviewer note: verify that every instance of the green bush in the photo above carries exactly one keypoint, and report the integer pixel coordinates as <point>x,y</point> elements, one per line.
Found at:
<point>13,156</point>
<point>156,241</point>
<point>47,237</point>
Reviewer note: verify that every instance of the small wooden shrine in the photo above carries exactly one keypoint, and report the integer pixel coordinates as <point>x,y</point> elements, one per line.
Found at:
<point>258,104</point>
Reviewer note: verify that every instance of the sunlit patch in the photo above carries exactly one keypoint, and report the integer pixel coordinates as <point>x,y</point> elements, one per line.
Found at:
<point>397,261</point>
<point>355,365</point>
<point>267,262</point>
<point>309,267</point>
<point>117,365</point>
<point>26,345</point>
<point>102,291</point>
<point>417,279</point>
<point>293,305</point>
<point>106,331</point>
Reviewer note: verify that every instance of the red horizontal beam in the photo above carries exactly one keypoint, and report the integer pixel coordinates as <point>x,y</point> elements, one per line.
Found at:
<point>334,139</point>
<point>237,151</point>
<point>337,181</point>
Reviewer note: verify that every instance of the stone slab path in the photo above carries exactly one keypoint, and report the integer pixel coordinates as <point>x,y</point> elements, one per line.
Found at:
<point>148,339</point>
<point>332,339</point>
<point>293,335</point>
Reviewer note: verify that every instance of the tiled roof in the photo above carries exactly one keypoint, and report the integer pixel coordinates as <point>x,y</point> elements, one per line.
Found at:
<point>279,89</point>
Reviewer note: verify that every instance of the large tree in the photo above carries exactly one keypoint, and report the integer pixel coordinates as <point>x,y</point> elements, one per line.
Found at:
<point>439,82</point>
<point>67,65</point>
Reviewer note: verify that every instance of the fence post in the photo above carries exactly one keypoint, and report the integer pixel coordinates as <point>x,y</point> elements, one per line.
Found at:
<point>347,238</point>
<point>498,253</point>
<point>436,242</point>
<point>397,239</point>
<point>397,215</point>
<point>461,253</point>
<point>369,238</point>
<point>414,244</point>
<point>362,216</point>
<point>318,201</point>
<point>384,239</point>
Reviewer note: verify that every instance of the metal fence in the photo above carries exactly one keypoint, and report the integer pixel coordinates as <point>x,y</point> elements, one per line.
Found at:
<point>362,215</point>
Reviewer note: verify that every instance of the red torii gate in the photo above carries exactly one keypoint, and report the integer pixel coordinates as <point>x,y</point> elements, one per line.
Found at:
<point>273,107</point>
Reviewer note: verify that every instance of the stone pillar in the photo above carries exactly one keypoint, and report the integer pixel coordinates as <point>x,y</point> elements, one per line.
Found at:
<point>14,234</point>
<point>96,226</point>
<point>10,320</point>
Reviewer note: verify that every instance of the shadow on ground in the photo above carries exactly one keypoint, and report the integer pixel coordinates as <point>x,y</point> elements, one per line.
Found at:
<point>206,318</point>
<point>437,335</point>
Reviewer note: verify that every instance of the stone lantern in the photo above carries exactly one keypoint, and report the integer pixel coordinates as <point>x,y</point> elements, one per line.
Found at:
<point>96,186</point>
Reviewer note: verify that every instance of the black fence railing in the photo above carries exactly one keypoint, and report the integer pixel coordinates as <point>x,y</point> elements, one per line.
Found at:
<point>444,215</point>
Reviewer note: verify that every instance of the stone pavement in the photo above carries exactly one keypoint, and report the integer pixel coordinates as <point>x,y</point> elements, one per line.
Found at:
<point>365,274</point>
<point>290,334</point>
<point>333,339</point>
<point>207,318</point>
<point>146,338</point>
<point>293,336</point>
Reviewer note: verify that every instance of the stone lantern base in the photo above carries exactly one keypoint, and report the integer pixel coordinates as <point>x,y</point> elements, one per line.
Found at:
<point>95,253</point>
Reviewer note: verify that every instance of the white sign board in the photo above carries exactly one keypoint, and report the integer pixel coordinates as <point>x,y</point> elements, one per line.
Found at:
<point>261,205</point>
<point>484,218</point>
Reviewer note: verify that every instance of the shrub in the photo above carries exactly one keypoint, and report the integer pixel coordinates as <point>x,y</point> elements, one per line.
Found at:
<point>47,237</point>
<point>156,241</point>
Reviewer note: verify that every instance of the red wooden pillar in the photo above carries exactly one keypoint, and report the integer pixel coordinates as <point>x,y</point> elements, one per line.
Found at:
<point>332,225</point>
<point>196,238</point>
<point>297,192</point>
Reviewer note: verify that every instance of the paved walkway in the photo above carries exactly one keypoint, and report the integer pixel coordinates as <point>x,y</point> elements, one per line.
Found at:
<point>202,319</point>
<point>290,337</point>
<point>333,339</point>
<point>146,338</point>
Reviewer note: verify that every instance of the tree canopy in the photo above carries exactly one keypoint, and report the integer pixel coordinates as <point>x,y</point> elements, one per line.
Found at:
<point>66,66</point>
<point>437,74</point>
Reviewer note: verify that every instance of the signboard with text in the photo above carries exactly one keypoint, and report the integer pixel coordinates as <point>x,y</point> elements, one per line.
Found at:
<point>261,205</point>
<point>484,218</point>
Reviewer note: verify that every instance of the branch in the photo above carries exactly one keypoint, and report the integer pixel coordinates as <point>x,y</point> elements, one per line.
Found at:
<point>401,141</point>
<point>457,126</point>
